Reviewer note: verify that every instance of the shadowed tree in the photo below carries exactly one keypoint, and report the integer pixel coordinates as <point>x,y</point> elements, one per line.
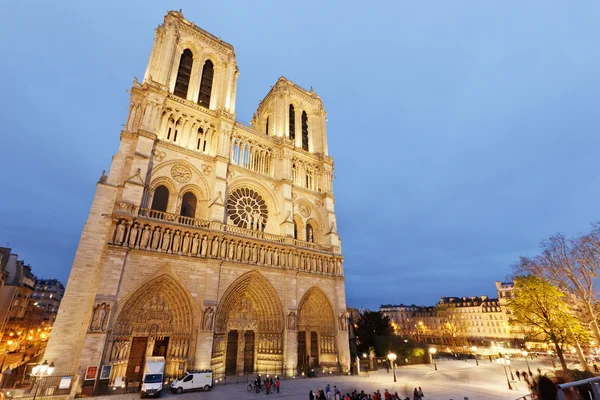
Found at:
<point>373,331</point>
<point>540,306</point>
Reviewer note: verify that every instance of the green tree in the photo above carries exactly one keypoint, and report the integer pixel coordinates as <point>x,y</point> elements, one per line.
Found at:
<point>373,330</point>
<point>539,305</point>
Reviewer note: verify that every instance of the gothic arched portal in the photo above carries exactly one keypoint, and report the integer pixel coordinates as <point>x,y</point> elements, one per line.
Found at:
<point>316,331</point>
<point>155,320</point>
<point>249,327</point>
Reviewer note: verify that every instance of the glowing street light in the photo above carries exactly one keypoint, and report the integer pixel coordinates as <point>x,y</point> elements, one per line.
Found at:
<point>504,362</point>
<point>41,371</point>
<point>507,357</point>
<point>432,351</point>
<point>392,358</point>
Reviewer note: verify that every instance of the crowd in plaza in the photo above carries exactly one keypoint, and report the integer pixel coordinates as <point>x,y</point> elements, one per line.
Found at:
<point>335,394</point>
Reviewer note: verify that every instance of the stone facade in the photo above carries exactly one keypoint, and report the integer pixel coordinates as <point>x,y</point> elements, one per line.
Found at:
<point>209,242</point>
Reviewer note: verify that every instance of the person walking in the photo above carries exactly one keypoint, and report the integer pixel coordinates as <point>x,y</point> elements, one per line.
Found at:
<point>596,367</point>
<point>518,375</point>
<point>416,395</point>
<point>421,395</point>
<point>277,384</point>
<point>267,385</point>
<point>328,392</point>
<point>311,395</point>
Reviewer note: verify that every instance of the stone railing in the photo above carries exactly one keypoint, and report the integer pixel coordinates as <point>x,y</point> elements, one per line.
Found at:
<point>162,232</point>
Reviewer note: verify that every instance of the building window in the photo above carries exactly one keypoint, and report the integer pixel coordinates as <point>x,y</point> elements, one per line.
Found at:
<point>206,84</point>
<point>160,199</point>
<point>183,74</point>
<point>295,230</point>
<point>292,122</point>
<point>188,205</point>
<point>304,131</point>
<point>202,141</point>
<point>267,127</point>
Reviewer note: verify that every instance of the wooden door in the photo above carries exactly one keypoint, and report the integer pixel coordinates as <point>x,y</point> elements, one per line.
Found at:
<point>231,357</point>
<point>160,347</point>
<point>249,352</point>
<point>301,350</point>
<point>314,347</point>
<point>137,357</point>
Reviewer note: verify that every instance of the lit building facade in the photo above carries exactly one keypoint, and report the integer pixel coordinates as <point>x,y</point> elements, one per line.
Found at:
<point>209,242</point>
<point>47,294</point>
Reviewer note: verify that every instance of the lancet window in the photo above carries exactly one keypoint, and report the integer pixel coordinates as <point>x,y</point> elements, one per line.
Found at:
<point>183,74</point>
<point>188,205</point>
<point>206,84</point>
<point>310,237</point>
<point>172,130</point>
<point>251,155</point>
<point>267,127</point>
<point>307,175</point>
<point>202,141</point>
<point>304,131</point>
<point>292,122</point>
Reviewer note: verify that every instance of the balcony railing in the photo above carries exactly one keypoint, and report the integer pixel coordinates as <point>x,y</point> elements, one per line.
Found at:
<point>152,230</point>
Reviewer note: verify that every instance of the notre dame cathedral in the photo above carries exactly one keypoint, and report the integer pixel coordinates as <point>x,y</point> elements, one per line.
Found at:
<point>209,242</point>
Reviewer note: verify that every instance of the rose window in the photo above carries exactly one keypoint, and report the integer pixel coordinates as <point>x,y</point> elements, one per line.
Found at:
<point>247,209</point>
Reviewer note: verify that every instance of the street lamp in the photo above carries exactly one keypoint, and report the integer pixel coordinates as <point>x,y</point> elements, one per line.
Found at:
<point>392,358</point>
<point>507,357</point>
<point>503,362</point>
<point>473,350</point>
<point>432,351</point>
<point>525,353</point>
<point>41,371</point>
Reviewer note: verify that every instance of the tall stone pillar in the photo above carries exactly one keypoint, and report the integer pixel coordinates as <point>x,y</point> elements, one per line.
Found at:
<point>291,352</point>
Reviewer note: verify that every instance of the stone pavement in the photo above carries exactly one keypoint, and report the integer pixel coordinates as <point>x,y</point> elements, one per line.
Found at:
<point>453,380</point>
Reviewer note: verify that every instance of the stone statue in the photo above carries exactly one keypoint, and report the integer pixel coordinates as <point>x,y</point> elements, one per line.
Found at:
<point>261,255</point>
<point>247,252</point>
<point>195,244</point>
<point>186,242</point>
<point>254,254</point>
<point>99,317</point>
<point>292,320</point>
<point>223,252</point>
<point>275,256</point>
<point>133,234</point>
<point>166,240</point>
<point>208,319</point>
<point>204,246</point>
<point>176,241</point>
<point>214,251</point>
<point>239,251</point>
<point>231,248</point>
<point>268,256</point>
<point>121,232</point>
<point>156,238</point>
<point>145,237</point>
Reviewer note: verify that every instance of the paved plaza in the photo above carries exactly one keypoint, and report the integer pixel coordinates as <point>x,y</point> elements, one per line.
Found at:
<point>453,380</point>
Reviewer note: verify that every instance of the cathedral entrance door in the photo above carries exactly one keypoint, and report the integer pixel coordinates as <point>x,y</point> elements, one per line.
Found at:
<point>314,347</point>
<point>249,352</point>
<point>232,350</point>
<point>160,347</point>
<point>301,349</point>
<point>137,356</point>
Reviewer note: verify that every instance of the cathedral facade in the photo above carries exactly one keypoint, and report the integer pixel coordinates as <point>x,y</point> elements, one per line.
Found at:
<point>209,242</point>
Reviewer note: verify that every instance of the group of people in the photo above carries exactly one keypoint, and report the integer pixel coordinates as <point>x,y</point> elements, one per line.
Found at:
<point>335,394</point>
<point>270,384</point>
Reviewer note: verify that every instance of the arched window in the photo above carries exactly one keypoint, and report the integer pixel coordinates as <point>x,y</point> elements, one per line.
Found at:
<point>267,127</point>
<point>304,131</point>
<point>188,205</point>
<point>292,122</point>
<point>183,74</point>
<point>202,141</point>
<point>160,199</point>
<point>309,234</point>
<point>295,230</point>
<point>206,84</point>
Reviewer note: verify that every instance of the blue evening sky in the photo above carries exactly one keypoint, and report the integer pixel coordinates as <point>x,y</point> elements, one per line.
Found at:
<point>464,132</point>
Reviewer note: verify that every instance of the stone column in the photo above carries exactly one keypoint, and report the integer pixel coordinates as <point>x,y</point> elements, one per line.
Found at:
<point>239,369</point>
<point>290,357</point>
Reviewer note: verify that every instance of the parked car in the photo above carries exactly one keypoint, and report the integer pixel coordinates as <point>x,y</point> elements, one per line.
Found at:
<point>193,381</point>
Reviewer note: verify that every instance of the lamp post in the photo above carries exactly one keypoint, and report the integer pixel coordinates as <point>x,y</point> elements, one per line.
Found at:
<point>392,358</point>
<point>41,371</point>
<point>503,361</point>
<point>525,354</point>
<point>473,351</point>
<point>432,351</point>
<point>507,357</point>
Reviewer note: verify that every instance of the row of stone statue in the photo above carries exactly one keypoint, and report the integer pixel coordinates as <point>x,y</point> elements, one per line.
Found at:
<point>328,344</point>
<point>270,343</point>
<point>175,241</point>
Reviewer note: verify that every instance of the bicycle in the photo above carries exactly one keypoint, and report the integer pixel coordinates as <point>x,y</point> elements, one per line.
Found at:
<point>252,387</point>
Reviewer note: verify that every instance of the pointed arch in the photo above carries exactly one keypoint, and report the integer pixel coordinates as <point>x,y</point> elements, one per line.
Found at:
<point>315,312</point>
<point>206,83</point>
<point>292,122</point>
<point>159,307</point>
<point>263,304</point>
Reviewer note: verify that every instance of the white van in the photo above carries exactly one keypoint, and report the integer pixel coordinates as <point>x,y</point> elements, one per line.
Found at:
<point>193,381</point>
<point>153,377</point>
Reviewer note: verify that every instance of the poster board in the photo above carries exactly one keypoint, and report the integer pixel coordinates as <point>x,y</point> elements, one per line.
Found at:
<point>91,372</point>
<point>105,372</point>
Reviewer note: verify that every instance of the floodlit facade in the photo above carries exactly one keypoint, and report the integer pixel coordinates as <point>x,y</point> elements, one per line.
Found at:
<point>209,242</point>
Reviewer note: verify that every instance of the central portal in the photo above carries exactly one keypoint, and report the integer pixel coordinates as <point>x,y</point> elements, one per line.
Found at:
<point>232,350</point>
<point>249,352</point>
